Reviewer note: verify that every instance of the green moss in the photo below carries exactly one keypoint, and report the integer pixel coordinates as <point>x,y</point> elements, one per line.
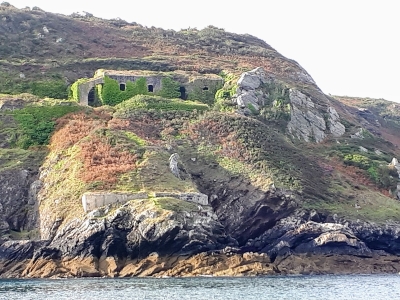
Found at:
<point>253,110</point>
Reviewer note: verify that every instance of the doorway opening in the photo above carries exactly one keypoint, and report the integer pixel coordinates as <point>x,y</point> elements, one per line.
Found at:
<point>91,97</point>
<point>183,95</point>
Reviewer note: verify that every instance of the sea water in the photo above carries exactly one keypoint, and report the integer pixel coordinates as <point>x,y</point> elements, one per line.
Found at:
<point>369,287</point>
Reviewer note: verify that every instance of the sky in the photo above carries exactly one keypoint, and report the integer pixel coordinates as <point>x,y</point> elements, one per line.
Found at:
<point>349,47</point>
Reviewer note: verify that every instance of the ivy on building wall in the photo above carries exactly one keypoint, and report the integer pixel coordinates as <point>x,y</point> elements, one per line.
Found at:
<point>170,88</point>
<point>73,92</point>
<point>205,96</point>
<point>111,94</point>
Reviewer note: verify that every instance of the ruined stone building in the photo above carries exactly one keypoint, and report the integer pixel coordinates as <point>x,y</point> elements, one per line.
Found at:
<point>190,83</point>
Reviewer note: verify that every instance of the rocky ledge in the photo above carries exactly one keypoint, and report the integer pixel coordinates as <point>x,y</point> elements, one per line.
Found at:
<point>142,238</point>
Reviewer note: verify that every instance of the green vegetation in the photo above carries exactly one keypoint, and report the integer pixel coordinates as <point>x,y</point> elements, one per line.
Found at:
<point>223,95</point>
<point>157,103</point>
<point>376,166</point>
<point>374,207</point>
<point>111,94</point>
<point>56,89</point>
<point>203,94</point>
<point>37,123</point>
<point>73,92</point>
<point>357,160</point>
<point>170,88</point>
<point>52,86</point>
<point>20,158</point>
<point>277,105</point>
<point>174,204</point>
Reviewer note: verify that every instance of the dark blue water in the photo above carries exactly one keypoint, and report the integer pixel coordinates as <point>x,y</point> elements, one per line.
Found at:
<point>369,287</point>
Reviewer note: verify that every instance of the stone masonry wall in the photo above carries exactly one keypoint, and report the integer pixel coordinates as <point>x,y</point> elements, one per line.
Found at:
<point>92,200</point>
<point>198,198</point>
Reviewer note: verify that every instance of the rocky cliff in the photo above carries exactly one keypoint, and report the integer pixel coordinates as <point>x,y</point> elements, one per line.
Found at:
<point>270,177</point>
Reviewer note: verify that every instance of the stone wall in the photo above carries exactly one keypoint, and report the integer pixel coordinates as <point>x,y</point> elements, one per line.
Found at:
<point>155,81</point>
<point>85,87</point>
<point>211,84</point>
<point>93,200</point>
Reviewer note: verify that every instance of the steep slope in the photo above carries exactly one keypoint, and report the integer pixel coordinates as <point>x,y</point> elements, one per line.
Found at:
<point>55,49</point>
<point>272,176</point>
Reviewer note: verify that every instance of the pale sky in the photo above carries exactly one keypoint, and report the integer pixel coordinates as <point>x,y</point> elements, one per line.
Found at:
<point>349,47</point>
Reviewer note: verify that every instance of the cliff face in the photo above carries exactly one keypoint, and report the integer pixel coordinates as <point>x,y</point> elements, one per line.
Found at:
<point>272,177</point>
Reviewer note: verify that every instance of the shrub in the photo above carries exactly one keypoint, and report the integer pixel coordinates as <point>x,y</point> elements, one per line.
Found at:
<point>157,103</point>
<point>37,123</point>
<point>383,176</point>
<point>170,88</point>
<point>51,88</point>
<point>357,160</point>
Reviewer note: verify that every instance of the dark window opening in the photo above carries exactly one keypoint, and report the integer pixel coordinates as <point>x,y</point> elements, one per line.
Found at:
<point>91,96</point>
<point>205,88</point>
<point>150,88</point>
<point>183,95</point>
<point>122,86</point>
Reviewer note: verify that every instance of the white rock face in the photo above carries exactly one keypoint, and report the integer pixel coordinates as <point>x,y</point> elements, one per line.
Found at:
<point>249,92</point>
<point>173,164</point>
<point>362,149</point>
<point>395,163</point>
<point>336,128</point>
<point>306,121</point>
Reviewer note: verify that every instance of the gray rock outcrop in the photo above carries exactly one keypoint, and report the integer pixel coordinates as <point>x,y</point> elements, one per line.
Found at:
<point>335,127</point>
<point>395,164</point>
<point>308,121</point>
<point>173,164</point>
<point>17,201</point>
<point>249,96</point>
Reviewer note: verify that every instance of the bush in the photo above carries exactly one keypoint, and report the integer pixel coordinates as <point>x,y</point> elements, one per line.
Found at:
<point>158,103</point>
<point>170,88</point>
<point>357,160</point>
<point>37,123</point>
<point>383,176</point>
<point>52,88</point>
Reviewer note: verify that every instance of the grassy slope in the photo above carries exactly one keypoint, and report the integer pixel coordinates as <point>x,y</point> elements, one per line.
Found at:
<point>76,47</point>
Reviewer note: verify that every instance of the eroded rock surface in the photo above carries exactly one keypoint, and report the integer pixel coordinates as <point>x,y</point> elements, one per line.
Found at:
<point>309,121</point>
